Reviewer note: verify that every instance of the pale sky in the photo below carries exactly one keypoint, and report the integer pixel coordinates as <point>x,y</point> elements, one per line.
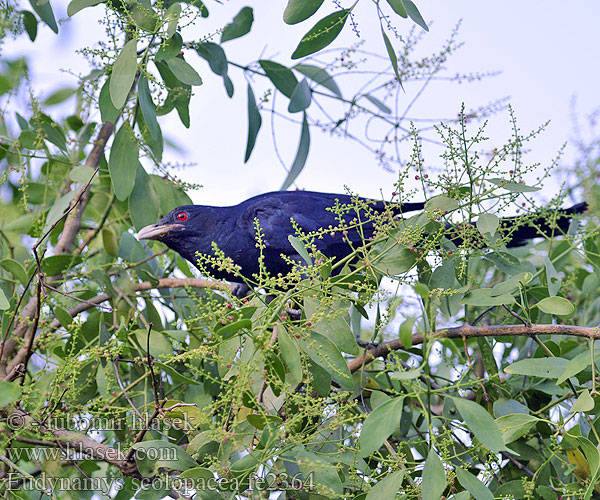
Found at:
<point>547,53</point>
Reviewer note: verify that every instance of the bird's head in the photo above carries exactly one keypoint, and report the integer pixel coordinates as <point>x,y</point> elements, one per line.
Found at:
<point>182,223</point>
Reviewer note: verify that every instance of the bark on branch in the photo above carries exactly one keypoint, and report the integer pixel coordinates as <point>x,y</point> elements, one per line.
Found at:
<point>469,331</point>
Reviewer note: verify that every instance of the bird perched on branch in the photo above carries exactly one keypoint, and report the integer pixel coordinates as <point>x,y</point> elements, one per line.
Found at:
<point>193,229</point>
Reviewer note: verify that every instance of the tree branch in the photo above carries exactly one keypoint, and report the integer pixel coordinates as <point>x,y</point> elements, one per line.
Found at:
<point>468,331</point>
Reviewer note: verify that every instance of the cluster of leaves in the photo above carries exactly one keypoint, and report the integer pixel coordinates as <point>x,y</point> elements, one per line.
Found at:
<point>367,389</point>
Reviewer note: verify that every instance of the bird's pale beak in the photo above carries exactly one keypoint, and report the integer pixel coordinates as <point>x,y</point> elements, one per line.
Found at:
<point>155,231</point>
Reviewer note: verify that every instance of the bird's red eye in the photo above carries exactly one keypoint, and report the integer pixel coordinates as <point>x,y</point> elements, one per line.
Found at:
<point>182,216</point>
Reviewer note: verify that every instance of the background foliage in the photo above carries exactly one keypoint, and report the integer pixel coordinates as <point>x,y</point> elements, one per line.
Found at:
<point>433,361</point>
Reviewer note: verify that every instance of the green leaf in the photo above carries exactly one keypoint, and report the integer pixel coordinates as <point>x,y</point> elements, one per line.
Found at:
<point>321,34</point>
<point>123,162</point>
<point>301,155</point>
<point>513,186</point>
<point>147,107</point>
<point>574,366</point>
<point>392,55</point>
<point>175,375</point>
<point>184,72</point>
<point>215,56</point>
<point>108,112</point>
<point>487,223</point>
<point>76,5</point>
<point>282,77</point>
<point>231,329</point>
<point>397,260</point>
<point>82,174</point>
<point>254,123</point>
<point>143,203</point>
<point>538,367</point>
<point>441,203</point>
<point>173,13</point>
<point>4,303</point>
<point>241,24</point>
<point>434,477</point>
<point>557,306</point>
<point>301,97</point>
<point>387,487</point>
<point>380,105</point>
<point>319,76</point>
<point>508,406</point>
<point>148,463</point>
<point>398,7</point>
<point>58,209</point>
<point>171,48</point>
<point>44,11</point>
<point>16,269</point>
<point>59,96</point>
<point>483,297</point>
<point>584,402</point>
<point>510,285</point>
<point>515,425</point>
<point>474,486</point>
<point>291,356</point>
<point>57,264</point>
<point>300,249</point>
<point>300,10</point>
<point>414,14</point>
<point>481,424</point>
<point>327,355</point>
<point>30,23</point>
<point>9,391</point>
<point>552,277</point>
<point>123,74</point>
<point>379,425</point>
<point>405,332</point>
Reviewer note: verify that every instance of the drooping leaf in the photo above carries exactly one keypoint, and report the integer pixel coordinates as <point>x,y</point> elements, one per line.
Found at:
<point>290,354</point>
<point>57,264</point>
<point>300,10</point>
<point>321,34</point>
<point>434,477</point>
<point>30,24</point>
<point>380,105</point>
<point>123,162</point>
<point>161,454</point>
<point>301,97</point>
<point>301,155</point>
<point>405,332</point>
<point>379,425</point>
<point>254,123</point>
<point>215,56</point>
<point>170,48</point>
<point>552,277</point>
<point>123,74</point>
<point>473,485</point>
<point>398,7</point>
<point>76,5</point>
<point>147,107</point>
<point>173,13</point>
<point>59,96</point>
<point>392,55</point>
<point>108,112</point>
<point>143,203</point>
<point>16,269</point>
<point>300,249</point>
<point>184,72</point>
<point>319,76</point>
<point>414,14</point>
<point>241,24</point>
<point>44,11</point>
<point>282,77</point>
<point>557,306</point>
<point>481,424</point>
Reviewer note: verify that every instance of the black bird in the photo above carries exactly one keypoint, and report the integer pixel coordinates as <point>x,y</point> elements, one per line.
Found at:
<point>190,229</point>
